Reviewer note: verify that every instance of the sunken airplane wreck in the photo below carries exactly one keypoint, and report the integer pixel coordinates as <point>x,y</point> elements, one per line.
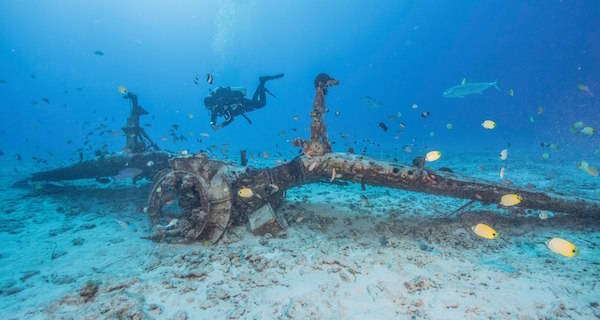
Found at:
<point>213,195</point>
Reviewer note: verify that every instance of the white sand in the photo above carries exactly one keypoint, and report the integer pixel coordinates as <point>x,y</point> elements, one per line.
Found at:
<point>339,260</point>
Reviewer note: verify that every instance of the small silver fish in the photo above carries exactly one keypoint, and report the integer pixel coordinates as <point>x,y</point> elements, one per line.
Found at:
<point>122,224</point>
<point>128,173</point>
<point>371,102</point>
<point>171,224</point>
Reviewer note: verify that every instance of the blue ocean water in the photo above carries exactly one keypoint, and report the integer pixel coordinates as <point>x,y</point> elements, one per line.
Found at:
<point>398,52</point>
<point>61,64</point>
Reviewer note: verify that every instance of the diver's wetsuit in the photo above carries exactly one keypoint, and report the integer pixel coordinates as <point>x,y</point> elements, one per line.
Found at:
<point>227,103</point>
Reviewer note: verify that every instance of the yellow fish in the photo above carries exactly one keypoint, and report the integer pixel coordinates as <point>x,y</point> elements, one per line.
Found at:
<point>593,171</point>
<point>511,92</point>
<point>588,131</point>
<point>578,125</point>
<point>122,89</point>
<point>488,124</point>
<point>540,110</point>
<point>414,106</point>
<point>449,126</point>
<point>484,231</point>
<point>562,247</point>
<point>509,200</point>
<point>432,156</point>
<point>584,166</point>
<point>583,88</point>
<point>245,192</point>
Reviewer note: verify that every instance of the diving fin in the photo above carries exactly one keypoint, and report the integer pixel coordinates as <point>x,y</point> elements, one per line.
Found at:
<point>264,79</point>
<point>270,93</point>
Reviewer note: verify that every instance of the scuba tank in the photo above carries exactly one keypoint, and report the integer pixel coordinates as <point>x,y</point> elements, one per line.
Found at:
<point>224,96</point>
<point>230,92</point>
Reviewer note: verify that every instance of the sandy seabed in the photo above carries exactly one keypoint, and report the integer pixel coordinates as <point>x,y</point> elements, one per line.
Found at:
<point>77,252</point>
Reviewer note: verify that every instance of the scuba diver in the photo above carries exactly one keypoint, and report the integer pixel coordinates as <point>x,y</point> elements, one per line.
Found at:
<point>230,102</point>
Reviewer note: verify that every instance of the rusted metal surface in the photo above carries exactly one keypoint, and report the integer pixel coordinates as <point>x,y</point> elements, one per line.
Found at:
<point>136,138</point>
<point>269,185</point>
<point>318,164</point>
<point>191,201</point>
<point>265,220</point>
<point>106,166</point>
<point>140,152</point>
<point>196,199</point>
<point>318,144</point>
<point>373,172</point>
